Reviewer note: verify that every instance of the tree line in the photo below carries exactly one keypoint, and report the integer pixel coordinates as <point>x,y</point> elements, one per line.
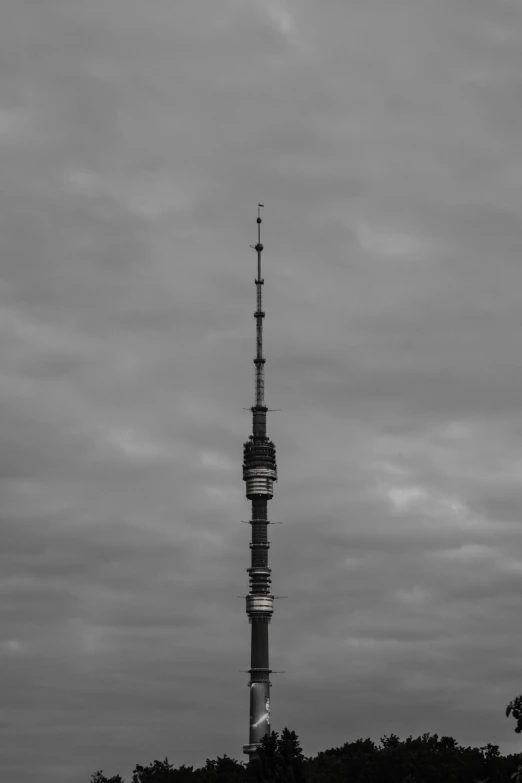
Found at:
<point>424,759</point>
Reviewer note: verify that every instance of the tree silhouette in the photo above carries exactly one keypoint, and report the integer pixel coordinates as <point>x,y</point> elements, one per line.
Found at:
<point>223,770</point>
<point>279,760</point>
<point>424,759</point>
<point>515,708</point>
<point>99,777</point>
<point>157,772</point>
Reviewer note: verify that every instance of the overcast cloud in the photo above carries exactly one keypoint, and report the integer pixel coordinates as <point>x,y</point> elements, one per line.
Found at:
<point>136,138</point>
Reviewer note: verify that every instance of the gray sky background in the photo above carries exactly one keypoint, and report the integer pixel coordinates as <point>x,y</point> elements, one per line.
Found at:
<point>136,138</point>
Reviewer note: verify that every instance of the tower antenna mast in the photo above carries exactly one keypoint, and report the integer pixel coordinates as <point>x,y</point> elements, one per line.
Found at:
<point>259,315</point>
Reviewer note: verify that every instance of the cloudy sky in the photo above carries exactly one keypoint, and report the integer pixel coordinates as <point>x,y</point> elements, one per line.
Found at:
<point>136,138</point>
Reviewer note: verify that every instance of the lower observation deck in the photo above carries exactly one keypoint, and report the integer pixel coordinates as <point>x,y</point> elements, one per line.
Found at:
<point>259,605</point>
<point>259,482</point>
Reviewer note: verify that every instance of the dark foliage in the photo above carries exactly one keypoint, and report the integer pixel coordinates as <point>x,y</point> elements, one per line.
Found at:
<point>425,759</point>
<point>222,770</point>
<point>99,777</point>
<point>515,708</point>
<point>280,760</point>
<point>157,772</point>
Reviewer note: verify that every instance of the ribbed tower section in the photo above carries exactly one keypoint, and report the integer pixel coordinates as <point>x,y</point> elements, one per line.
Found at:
<point>259,473</point>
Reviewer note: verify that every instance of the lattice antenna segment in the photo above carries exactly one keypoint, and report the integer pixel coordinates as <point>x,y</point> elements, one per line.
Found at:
<point>259,361</point>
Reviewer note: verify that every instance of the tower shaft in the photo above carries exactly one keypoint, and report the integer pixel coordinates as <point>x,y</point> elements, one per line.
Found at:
<point>259,473</point>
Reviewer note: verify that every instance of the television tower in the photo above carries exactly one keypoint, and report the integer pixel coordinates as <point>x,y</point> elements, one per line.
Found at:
<point>259,473</point>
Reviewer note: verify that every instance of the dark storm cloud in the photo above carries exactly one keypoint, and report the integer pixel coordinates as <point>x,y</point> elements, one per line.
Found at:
<point>135,142</point>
